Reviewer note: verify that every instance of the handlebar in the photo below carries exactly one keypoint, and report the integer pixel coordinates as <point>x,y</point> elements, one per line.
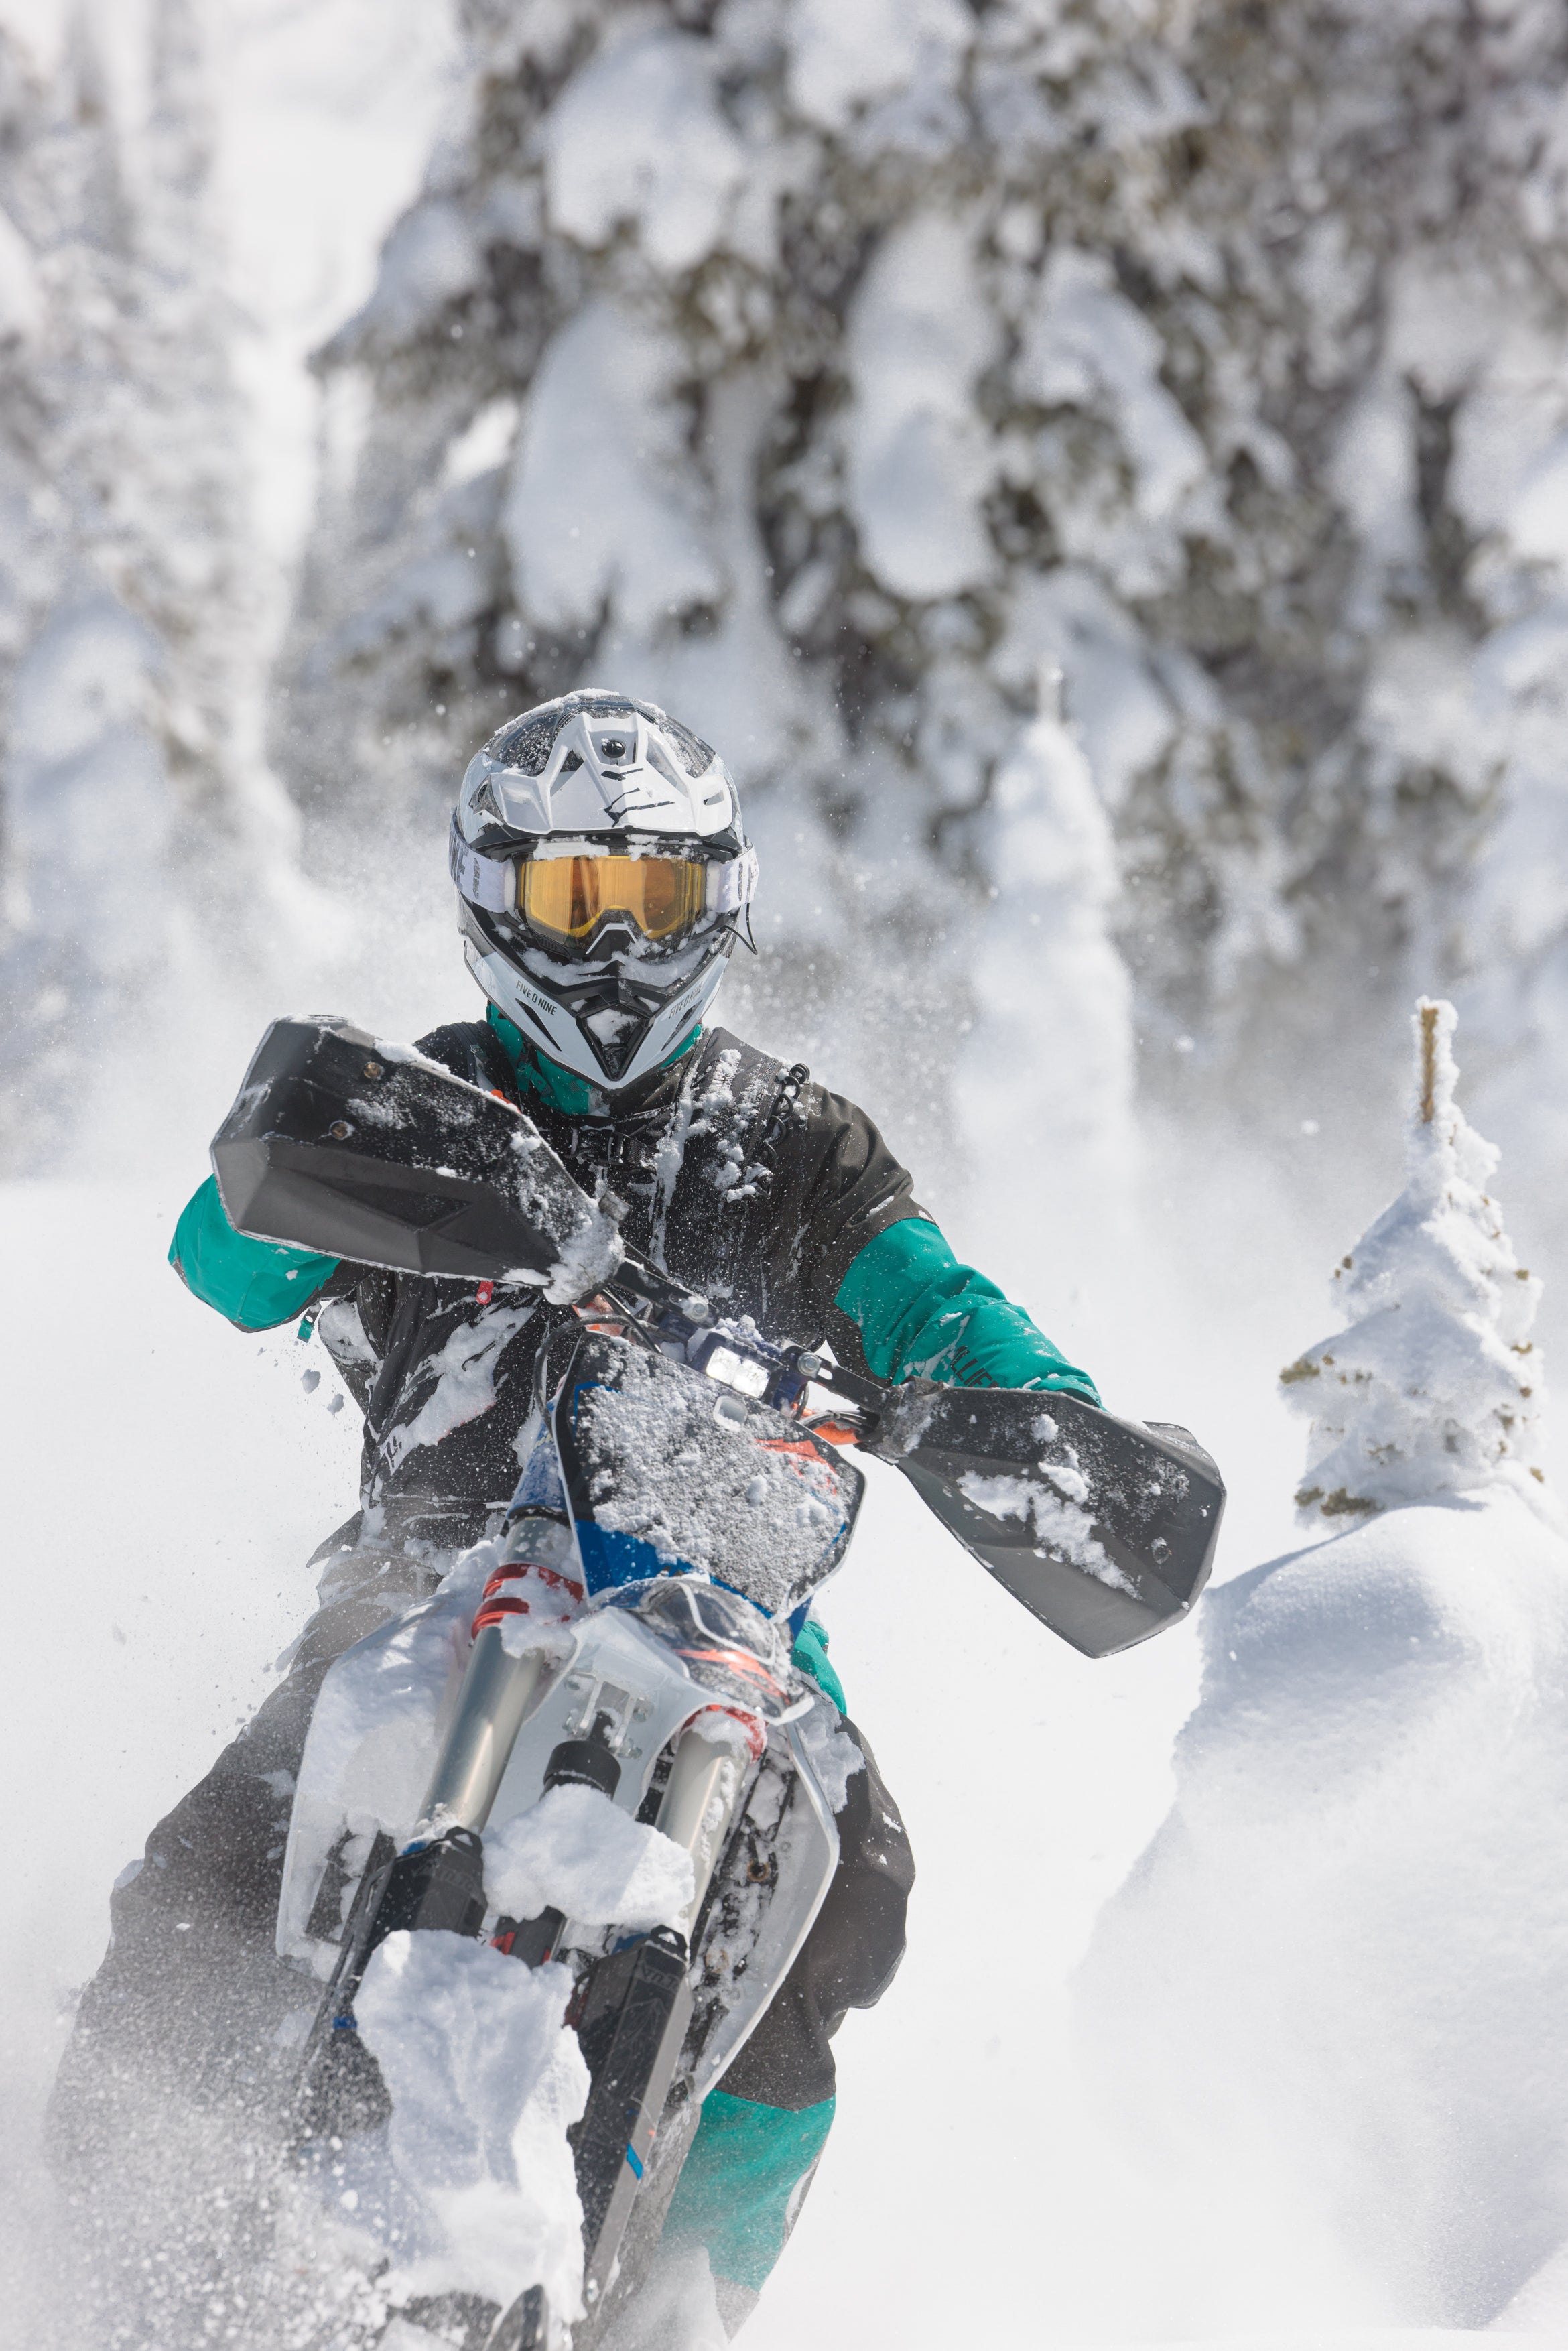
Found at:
<point>732,1351</point>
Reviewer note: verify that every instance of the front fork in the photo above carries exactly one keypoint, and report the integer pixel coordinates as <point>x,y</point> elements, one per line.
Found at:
<point>438,1880</point>
<point>698,1811</point>
<point>533,1579</point>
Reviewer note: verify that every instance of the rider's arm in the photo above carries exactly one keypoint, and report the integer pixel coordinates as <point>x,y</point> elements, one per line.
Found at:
<point>880,1280</point>
<point>920,1313</point>
<point>257,1284</point>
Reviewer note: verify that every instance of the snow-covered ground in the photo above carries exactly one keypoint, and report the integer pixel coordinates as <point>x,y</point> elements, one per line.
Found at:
<point>171,1477</point>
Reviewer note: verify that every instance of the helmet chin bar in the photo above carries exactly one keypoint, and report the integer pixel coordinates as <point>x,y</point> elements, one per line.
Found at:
<point>557,1030</point>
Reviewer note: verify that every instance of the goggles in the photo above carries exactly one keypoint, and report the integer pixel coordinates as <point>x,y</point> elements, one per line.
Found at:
<point>562,898</point>
<point>568,897</point>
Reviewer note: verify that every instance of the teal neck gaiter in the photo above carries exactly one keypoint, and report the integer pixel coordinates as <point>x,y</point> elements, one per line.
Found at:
<point>561,1088</point>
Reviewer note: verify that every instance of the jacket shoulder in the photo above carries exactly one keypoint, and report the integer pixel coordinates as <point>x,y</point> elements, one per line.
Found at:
<point>469,1050</point>
<point>727,1059</point>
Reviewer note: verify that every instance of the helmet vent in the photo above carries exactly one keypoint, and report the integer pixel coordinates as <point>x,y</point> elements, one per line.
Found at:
<point>696,755</point>
<point>526,744</point>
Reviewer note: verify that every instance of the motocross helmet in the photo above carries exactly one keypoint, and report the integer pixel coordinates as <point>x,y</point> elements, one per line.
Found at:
<point>603,879</point>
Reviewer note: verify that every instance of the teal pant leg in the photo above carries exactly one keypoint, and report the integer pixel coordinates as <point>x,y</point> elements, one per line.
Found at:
<point>742,2187</point>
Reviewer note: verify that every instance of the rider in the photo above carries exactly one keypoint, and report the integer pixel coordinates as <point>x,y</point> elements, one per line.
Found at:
<point>604,877</point>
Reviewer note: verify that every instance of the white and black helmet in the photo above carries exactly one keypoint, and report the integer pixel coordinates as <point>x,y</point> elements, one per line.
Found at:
<point>603,879</point>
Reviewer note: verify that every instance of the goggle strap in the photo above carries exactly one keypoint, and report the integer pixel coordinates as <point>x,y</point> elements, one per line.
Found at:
<point>487,882</point>
<point>734,884</point>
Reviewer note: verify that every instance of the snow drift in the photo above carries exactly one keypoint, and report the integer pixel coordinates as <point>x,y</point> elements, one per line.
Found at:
<point>1329,2005</point>
<point>1359,1937</point>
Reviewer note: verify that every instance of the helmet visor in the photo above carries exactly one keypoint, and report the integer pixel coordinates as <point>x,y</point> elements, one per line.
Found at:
<point>568,897</point>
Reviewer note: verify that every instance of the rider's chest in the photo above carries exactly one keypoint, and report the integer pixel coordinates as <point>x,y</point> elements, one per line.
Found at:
<point>697,1204</point>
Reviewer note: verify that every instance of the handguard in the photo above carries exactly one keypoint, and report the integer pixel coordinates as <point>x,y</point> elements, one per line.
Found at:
<point>356,1149</point>
<point>1104,1529</point>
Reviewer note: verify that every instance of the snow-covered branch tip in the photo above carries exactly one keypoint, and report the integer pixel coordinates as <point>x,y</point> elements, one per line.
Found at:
<point>1434,1387</point>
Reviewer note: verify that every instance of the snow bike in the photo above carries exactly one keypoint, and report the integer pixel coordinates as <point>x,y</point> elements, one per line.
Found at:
<point>689,1472</point>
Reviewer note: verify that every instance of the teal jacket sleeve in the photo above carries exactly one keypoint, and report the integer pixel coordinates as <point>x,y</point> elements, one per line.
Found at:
<point>919,1312</point>
<point>810,1654</point>
<point>256,1284</point>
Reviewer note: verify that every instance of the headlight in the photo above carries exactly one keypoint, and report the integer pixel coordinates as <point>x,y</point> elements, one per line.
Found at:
<point>742,1371</point>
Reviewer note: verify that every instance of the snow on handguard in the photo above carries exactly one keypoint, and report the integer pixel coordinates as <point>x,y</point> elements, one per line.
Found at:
<point>1104,1529</point>
<point>341,1143</point>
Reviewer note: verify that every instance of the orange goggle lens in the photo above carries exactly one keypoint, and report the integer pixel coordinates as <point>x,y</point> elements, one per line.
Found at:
<point>565,897</point>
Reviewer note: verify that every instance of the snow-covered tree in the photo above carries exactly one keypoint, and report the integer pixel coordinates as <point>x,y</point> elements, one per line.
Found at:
<point>1042,1085</point>
<point>880,358</point>
<point>145,848</point>
<point>35,518</point>
<point>1434,1387</point>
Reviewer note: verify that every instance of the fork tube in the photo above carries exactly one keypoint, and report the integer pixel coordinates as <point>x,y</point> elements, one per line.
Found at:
<point>698,1811</point>
<point>495,1696</point>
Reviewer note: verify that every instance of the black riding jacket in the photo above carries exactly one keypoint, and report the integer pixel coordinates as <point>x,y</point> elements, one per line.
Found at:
<point>744,1180</point>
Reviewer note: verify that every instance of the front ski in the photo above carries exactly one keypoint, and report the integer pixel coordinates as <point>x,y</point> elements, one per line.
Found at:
<point>632,2046</point>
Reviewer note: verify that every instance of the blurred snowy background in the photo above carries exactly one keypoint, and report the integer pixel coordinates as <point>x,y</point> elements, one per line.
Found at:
<point>1099,468</point>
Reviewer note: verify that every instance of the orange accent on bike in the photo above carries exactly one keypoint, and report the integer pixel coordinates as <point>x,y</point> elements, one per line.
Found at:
<point>493,1610</point>
<point>739,1661</point>
<point>755,1736</point>
<point>553,1577</point>
<point>601,1315</point>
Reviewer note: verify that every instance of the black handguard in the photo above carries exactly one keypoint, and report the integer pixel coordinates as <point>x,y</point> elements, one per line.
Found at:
<point>356,1149</point>
<point>1104,1529</point>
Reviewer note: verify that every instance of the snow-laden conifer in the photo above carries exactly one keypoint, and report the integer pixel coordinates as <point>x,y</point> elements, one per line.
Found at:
<point>879,357</point>
<point>1434,1387</point>
<point>145,848</point>
<point>1044,1082</point>
<point>35,998</point>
